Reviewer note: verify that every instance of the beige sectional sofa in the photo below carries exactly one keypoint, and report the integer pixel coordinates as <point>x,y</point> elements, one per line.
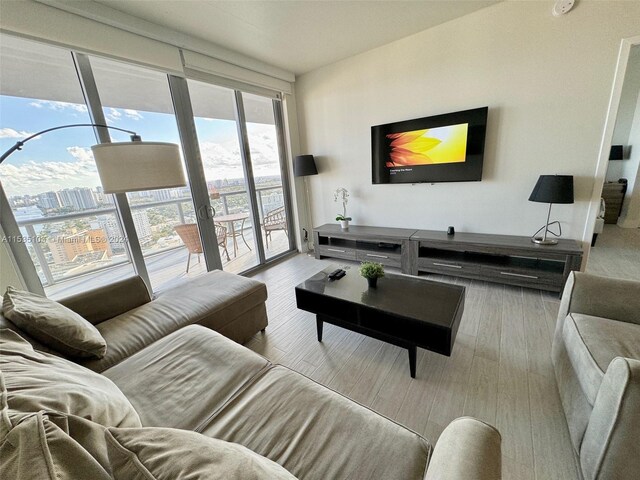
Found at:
<point>596,356</point>
<point>129,319</point>
<point>193,378</point>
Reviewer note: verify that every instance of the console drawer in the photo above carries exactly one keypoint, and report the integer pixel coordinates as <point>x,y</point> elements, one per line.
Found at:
<point>387,259</point>
<point>524,277</point>
<point>336,252</point>
<point>447,267</point>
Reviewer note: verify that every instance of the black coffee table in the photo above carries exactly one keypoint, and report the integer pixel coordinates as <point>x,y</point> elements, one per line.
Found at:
<point>403,310</point>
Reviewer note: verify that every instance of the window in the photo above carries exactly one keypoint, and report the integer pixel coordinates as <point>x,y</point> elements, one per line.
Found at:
<point>214,112</point>
<point>267,172</point>
<point>52,185</point>
<point>76,238</point>
<point>139,99</point>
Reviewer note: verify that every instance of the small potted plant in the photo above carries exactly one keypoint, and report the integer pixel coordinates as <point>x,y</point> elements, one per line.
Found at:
<point>372,272</point>
<point>342,194</point>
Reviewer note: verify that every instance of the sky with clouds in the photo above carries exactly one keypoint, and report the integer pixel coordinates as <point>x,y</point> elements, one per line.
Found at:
<point>63,159</point>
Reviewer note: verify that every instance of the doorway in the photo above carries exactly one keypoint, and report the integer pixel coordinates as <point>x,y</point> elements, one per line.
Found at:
<point>615,249</point>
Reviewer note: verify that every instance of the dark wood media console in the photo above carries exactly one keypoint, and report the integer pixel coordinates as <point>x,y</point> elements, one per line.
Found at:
<point>509,259</point>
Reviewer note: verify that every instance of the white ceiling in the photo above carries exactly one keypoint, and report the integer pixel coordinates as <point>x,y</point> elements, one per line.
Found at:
<point>295,35</point>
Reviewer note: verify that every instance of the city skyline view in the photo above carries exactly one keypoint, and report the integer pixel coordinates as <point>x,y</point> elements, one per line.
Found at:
<point>63,159</point>
<point>73,231</point>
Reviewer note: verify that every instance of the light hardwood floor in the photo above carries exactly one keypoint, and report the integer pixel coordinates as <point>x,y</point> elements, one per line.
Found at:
<point>616,253</point>
<point>500,369</point>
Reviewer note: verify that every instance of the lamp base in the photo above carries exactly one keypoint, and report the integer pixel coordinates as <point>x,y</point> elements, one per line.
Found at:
<point>544,241</point>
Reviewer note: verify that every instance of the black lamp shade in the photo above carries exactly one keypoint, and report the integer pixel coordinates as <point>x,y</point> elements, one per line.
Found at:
<point>304,165</point>
<point>616,152</point>
<point>553,189</point>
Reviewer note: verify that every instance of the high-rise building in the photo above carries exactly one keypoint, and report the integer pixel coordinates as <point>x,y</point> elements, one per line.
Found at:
<point>49,200</point>
<point>103,198</point>
<point>160,195</point>
<point>87,198</point>
<point>99,241</point>
<point>110,225</point>
<point>65,247</point>
<point>143,227</point>
<point>78,198</point>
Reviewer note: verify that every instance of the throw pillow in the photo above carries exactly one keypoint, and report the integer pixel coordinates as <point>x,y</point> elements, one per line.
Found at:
<point>40,381</point>
<point>167,454</point>
<point>53,324</point>
<point>38,449</point>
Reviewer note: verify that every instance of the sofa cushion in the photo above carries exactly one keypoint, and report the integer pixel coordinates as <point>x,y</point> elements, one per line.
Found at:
<point>593,342</point>
<point>213,300</point>
<point>306,428</point>
<point>39,381</point>
<point>167,454</point>
<point>110,300</point>
<point>5,422</point>
<point>181,380</point>
<point>53,324</point>
<point>37,449</point>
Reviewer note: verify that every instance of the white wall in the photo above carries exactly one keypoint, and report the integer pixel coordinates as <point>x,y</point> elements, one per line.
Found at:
<point>630,215</point>
<point>547,82</point>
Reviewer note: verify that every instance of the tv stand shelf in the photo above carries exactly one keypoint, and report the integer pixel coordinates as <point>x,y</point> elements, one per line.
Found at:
<point>513,260</point>
<point>371,244</point>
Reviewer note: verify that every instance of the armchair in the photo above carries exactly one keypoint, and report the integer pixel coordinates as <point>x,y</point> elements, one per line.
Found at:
<point>596,358</point>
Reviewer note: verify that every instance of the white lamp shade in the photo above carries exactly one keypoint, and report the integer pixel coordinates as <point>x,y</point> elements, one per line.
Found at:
<point>134,166</point>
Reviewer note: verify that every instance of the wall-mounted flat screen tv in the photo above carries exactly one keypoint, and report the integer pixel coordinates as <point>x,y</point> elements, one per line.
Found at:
<point>441,148</point>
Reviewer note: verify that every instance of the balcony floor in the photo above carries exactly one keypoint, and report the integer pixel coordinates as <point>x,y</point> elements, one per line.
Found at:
<point>169,266</point>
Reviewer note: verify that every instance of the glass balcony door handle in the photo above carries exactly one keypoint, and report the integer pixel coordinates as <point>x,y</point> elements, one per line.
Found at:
<point>206,212</point>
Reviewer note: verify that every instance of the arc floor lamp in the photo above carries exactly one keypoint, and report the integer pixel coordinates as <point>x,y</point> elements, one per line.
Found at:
<point>128,166</point>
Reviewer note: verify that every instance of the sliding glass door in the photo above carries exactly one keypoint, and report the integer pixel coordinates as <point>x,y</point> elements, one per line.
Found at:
<point>139,99</point>
<point>268,173</point>
<point>227,183</point>
<point>234,212</point>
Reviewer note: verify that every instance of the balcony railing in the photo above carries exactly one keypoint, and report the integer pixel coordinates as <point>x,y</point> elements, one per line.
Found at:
<point>228,202</point>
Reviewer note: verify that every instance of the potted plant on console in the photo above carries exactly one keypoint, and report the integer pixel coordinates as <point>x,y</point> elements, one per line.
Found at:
<point>372,272</point>
<point>342,194</point>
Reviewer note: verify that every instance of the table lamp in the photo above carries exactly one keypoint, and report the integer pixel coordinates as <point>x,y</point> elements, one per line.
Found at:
<point>551,189</point>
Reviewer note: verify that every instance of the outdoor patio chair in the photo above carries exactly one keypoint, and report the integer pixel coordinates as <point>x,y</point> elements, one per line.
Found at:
<point>274,220</point>
<point>190,236</point>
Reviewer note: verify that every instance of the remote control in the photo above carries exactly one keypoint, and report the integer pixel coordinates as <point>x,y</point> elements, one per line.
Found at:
<point>335,272</point>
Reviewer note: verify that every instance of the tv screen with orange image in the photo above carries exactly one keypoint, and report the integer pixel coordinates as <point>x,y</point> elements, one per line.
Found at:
<point>429,146</point>
<point>442,148</point>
